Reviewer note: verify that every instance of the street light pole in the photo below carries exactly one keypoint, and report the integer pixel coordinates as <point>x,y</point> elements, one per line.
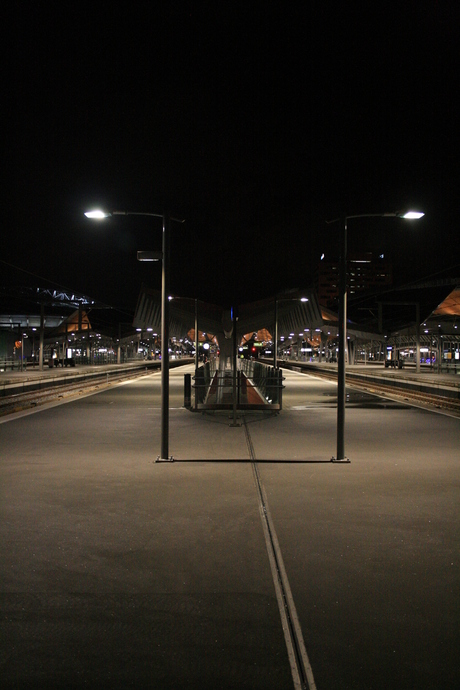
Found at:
<point>164,456</point>
<point>341,390</point>
<point>164,256</point>
<point>165,275</point>
<point>342,325</point>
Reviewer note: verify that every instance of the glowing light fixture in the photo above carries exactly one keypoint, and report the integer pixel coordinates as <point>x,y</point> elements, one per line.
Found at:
<point>98,214</point>
<point>412,215</point>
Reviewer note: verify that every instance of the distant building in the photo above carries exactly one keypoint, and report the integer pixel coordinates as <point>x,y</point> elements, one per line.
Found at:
<point>364,272</point>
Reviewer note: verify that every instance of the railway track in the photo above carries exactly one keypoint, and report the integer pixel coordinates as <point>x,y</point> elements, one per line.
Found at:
<point>397,393</point>
<point>28,400</point>
<point>19,402</point>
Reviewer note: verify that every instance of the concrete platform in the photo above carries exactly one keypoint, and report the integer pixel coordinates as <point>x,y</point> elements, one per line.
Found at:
<point>120,572</point>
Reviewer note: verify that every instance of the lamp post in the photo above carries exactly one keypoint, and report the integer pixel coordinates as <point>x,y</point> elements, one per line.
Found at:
<point>164,257</point>
<point>277,301</point>
<point>342,324</point>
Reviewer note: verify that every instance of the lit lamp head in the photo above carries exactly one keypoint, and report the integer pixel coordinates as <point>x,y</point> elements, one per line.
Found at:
<point>97,214</point>
<point>411,215</point>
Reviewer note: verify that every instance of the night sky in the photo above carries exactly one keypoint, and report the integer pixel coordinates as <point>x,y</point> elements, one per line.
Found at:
<point>256,123</point>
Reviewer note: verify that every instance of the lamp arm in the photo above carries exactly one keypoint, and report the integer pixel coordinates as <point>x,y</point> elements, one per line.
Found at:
<point>141,213</point>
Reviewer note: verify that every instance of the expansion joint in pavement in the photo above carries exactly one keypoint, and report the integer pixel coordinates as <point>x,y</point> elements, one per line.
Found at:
<point>302,673</point>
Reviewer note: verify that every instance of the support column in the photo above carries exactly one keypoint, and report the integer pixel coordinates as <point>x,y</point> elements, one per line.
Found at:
<point>275,340</point>
<point>197,343</point>
<point>234,361</point>
<point>64,344</point>
<point>42,336</point>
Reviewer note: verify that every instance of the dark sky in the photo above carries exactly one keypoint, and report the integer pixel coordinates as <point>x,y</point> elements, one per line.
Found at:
<point>254,122</point>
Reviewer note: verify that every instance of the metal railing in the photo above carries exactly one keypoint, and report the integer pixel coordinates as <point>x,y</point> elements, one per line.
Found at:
<point>267,380</point>
<point>256,386</point>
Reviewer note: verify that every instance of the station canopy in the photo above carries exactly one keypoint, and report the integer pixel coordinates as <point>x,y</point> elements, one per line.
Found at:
<point>438,303</point>
<point>297,312</point>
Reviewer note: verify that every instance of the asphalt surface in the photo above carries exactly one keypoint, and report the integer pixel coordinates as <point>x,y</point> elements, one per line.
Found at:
<point>120,572</point>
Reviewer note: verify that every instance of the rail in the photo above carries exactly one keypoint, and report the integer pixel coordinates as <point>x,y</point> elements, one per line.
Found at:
<point>438,394</point>
<point>30,392</point>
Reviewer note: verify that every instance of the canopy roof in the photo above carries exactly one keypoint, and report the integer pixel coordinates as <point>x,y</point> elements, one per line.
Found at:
<point>294,315</point>
<point>305,319</point>
<point>450,306</point>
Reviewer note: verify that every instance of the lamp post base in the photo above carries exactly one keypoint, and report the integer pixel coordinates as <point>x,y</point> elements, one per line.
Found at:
<point>170,459</point>
<point>345,460</point>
